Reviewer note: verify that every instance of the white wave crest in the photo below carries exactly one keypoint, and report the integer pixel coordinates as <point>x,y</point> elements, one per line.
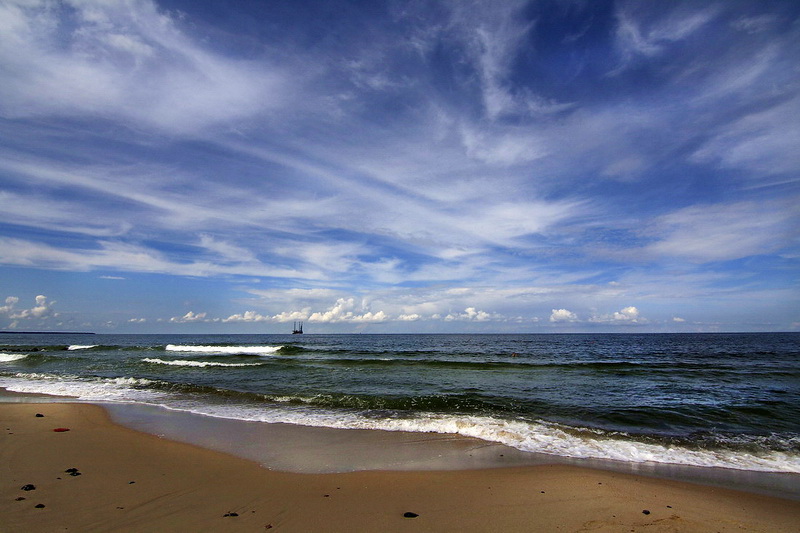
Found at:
<point>122,389</point>
<point>8,357</point>
<point>81,346</point>
<point>194,363</point>
<point>249,350</point>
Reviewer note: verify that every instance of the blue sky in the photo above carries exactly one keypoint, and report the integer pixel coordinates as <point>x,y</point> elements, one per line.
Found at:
<point>402,166</point>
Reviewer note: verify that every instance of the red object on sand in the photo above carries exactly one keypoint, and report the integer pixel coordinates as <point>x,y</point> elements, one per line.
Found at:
<point>60,430</point>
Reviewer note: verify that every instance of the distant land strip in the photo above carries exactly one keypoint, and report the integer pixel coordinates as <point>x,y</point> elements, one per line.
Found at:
<point>48,332</point>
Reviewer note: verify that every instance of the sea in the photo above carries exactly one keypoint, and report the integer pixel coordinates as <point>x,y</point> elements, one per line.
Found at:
<point>728,400</point>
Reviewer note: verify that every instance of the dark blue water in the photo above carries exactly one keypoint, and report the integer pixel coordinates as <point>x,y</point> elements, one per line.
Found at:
<point>729,400</point>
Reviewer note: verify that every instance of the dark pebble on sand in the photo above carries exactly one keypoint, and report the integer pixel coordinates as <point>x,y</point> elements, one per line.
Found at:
<point>39,415</point>
<point>645,512</point>
<point>28,487</point>
<point>230,514</point>
<point>39,506</point>
<point>20,498</point>
<point>72,471</point>
<point>669,507</point>
<point>131,482</point>
<point>409,514</point>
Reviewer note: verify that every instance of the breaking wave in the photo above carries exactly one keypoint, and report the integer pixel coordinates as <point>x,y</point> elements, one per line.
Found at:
<point>200,364</point>
<point>233,350</point>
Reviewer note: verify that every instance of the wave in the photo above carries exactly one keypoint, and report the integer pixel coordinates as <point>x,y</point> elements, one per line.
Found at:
<point>81,346</point>
<point>194,363</point>
<point>233,350</point>
<point>774,453</point>
<point>9,357</point>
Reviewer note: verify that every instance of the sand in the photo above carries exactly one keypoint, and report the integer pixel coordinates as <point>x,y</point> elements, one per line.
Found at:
<point>132,481</point>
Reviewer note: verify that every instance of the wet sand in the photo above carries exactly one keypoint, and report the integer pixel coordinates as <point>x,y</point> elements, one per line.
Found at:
<point>133,481</point>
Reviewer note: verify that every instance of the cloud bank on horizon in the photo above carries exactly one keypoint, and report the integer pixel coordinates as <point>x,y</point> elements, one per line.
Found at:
<point>399,166</point>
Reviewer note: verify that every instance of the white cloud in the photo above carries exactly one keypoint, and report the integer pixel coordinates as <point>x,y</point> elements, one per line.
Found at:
<point>678,319</point>
<point>762,143</point>
<point>247,316</point>
<point>41,310</point>
<point>11,301</point>
<point>637,36</point>
<point>627,315</point>
<point>472,315</point>
<point>563,315</point>
<point>726,231</point>
<point>191,316</point>
<point>123,60</point>
<point>137,320</point>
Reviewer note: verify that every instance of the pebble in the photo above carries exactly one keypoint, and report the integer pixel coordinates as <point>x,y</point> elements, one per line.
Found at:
<point>645,512</point>
<point>230,514</point>
<point>39,415</point>
<point>28,487</point>
<point>409,514</point>
<point>39,506</point>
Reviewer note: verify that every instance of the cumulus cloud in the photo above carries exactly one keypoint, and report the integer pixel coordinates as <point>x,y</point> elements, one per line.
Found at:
<point>191,316</point>
<point>247,316</point>
<point>627,315</point>
<point>563,315</point>
<point>345,310</point>
<point>470,314</point>
<point>11,301</point>
<point>41,311</point>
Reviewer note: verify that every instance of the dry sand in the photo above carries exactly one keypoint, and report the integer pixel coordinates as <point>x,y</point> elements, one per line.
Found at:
<point>132,481</point>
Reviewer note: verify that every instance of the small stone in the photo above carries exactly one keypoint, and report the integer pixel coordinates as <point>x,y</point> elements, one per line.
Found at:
<point>28,487</point>
<point>230,514</point>
<point>39,415</point>
<point>327,495</point>
<point>131,482</point>
<point>669,507</point>
<point>72,471</point>
<point>39,506</point>
<point>61,430</point>
<point>645,512</point>
<point>20,498</point>
<point>409,514</point>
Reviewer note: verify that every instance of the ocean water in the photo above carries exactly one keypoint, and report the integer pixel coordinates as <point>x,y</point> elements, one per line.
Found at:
<point>708,400</point>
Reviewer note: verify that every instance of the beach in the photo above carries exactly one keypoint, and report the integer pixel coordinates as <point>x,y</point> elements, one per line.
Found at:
<point>101,476</point>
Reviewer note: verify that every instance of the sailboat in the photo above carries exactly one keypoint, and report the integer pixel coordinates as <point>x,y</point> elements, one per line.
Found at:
<point>296,331</point>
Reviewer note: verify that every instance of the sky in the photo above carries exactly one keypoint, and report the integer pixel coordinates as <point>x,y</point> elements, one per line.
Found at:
<point>190,166</point>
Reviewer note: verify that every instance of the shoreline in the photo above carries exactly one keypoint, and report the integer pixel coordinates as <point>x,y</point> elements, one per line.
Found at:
<point>320,450</point>
<point>133,481</point>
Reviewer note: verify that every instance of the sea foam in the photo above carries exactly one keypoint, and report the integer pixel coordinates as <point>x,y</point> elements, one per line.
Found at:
<point>9,357</point>
<point>81,346</point>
